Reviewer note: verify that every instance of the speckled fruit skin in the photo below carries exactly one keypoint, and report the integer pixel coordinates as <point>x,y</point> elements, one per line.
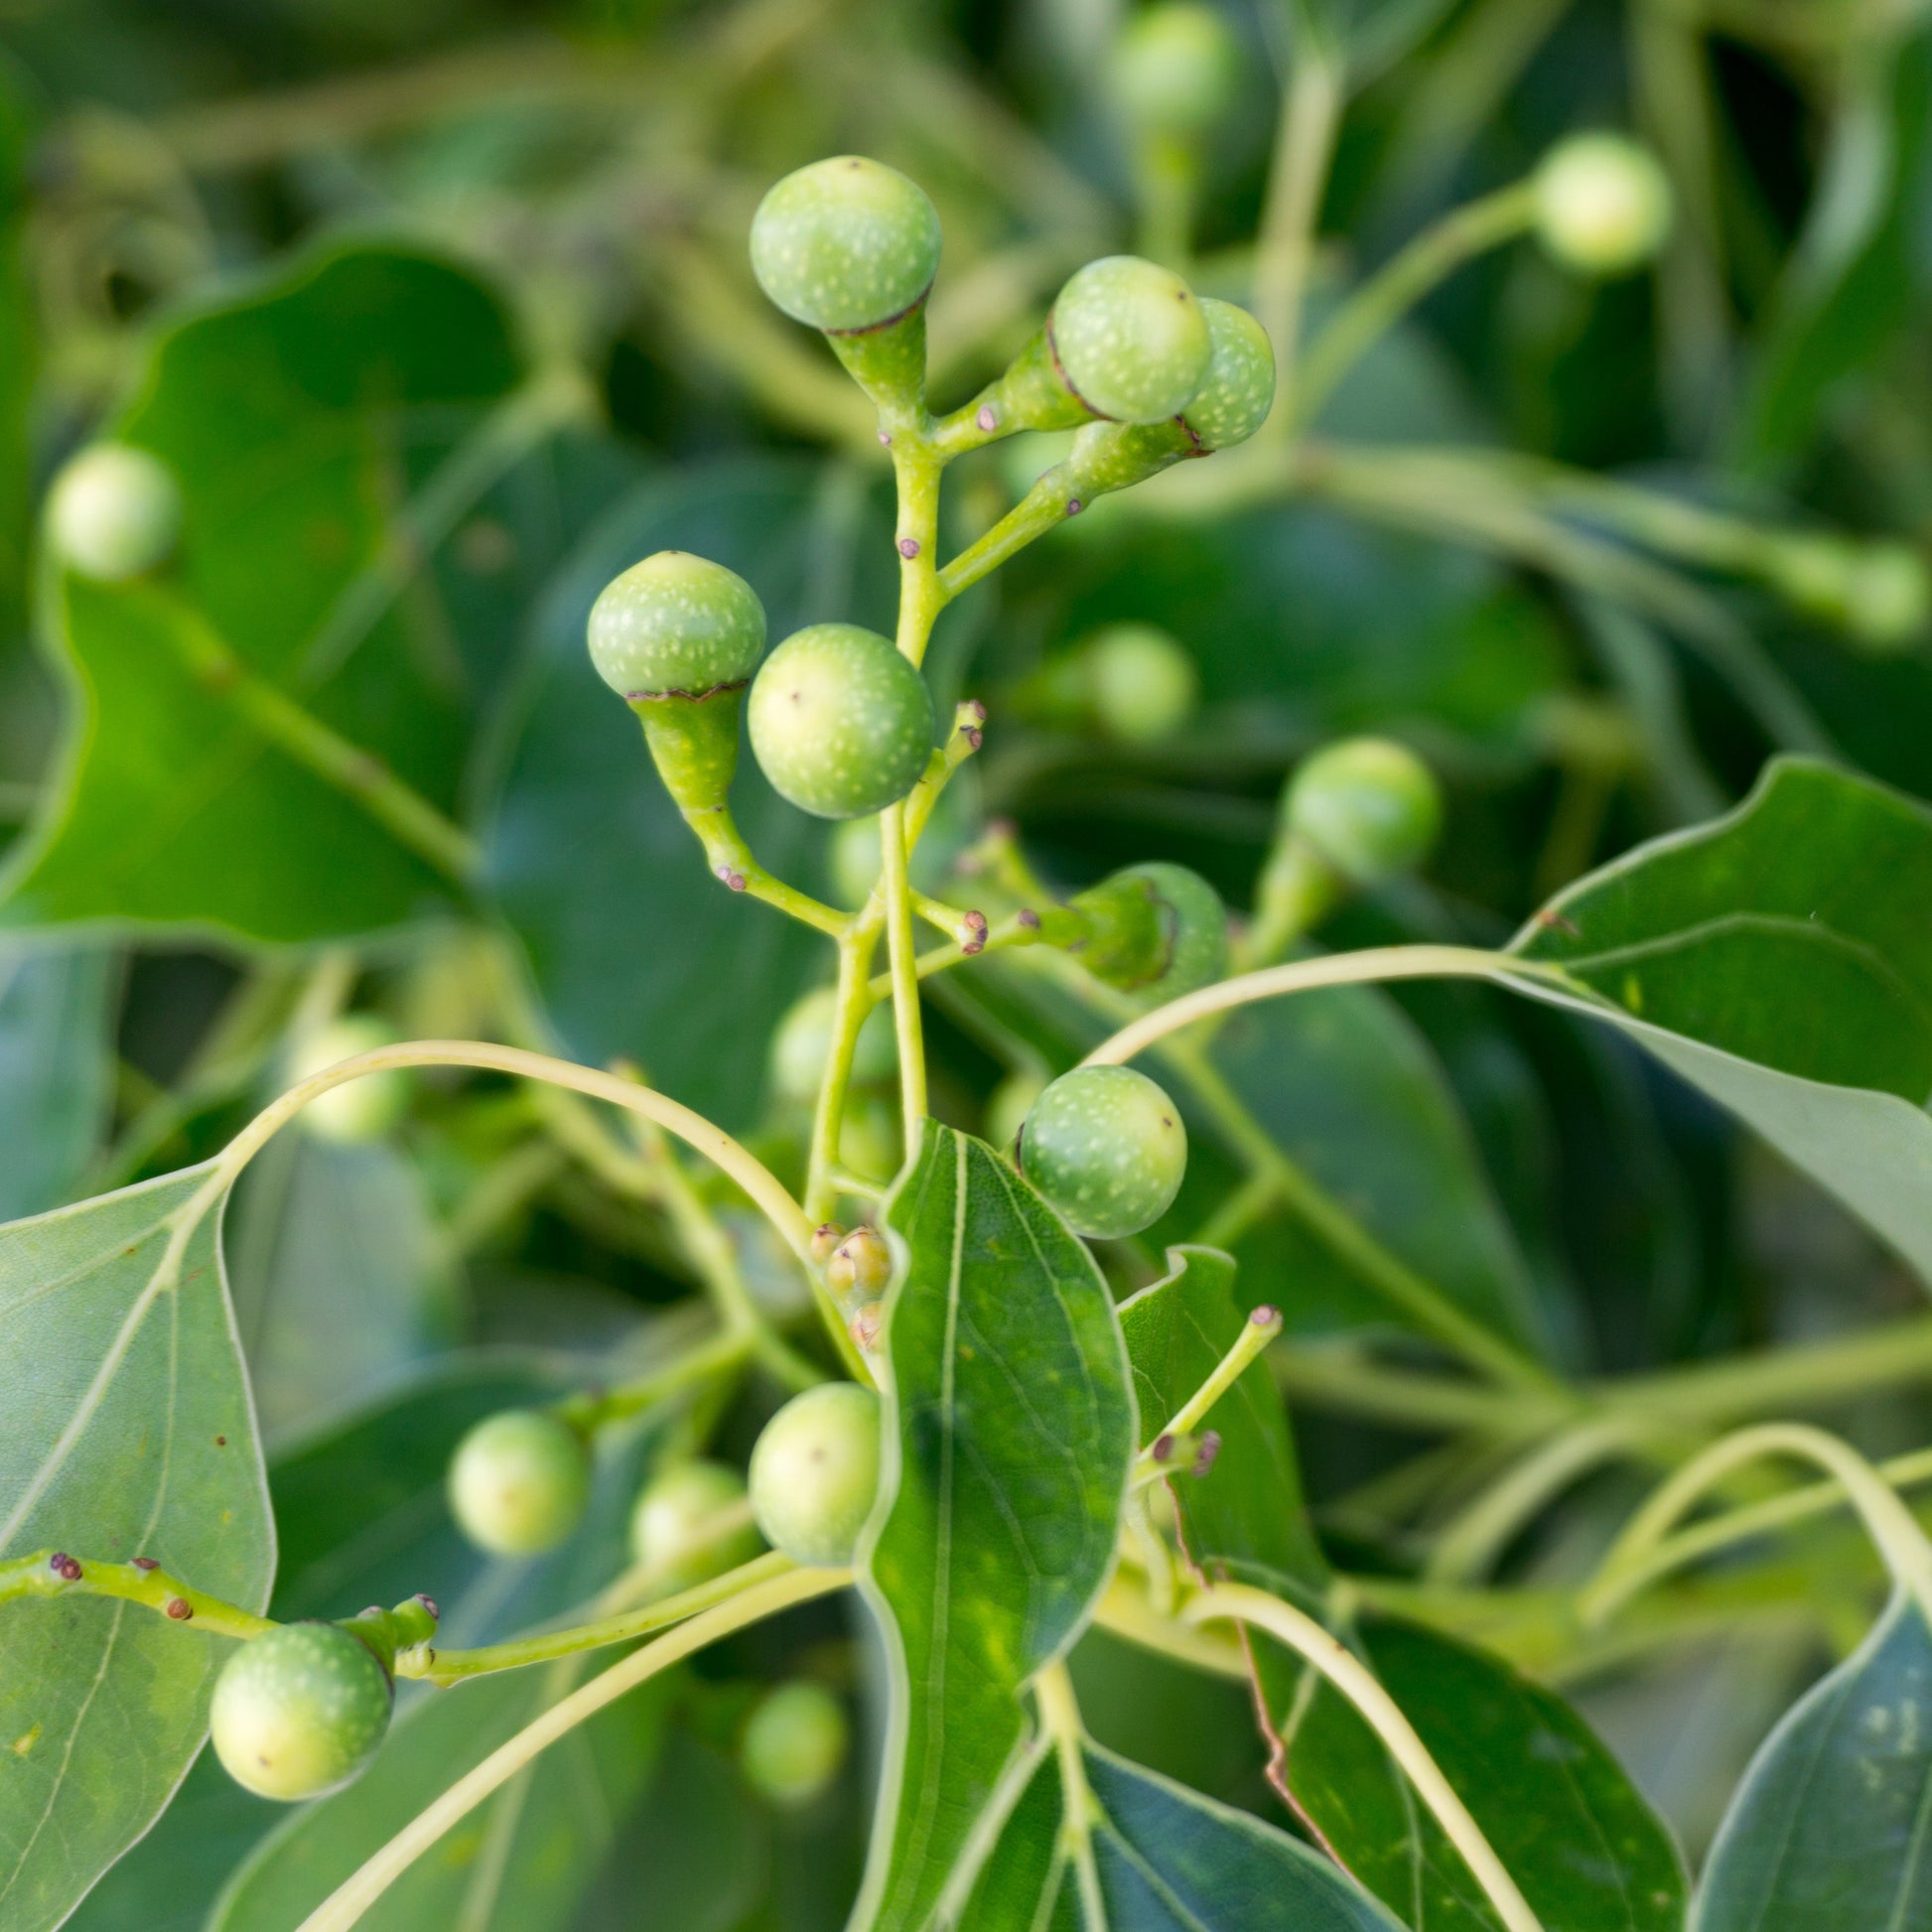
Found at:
<point>672,1524</point>
<point>520,1482</point>
<point>1196,925</point>
<point>675,624</point>
<point>1130,339</point>
<point>1174,69</point>
<point>300,1710</point>
<point>841,722</point>
<point>1238,390</point>
<point>114,512</point>
<point>815,1472</point>
<point>1370,807</point>
<point>845,243</point>
<point>1603,204</point>
<point>358,1110</point>
<point>1106,1148</point>
<point>795,1742</point>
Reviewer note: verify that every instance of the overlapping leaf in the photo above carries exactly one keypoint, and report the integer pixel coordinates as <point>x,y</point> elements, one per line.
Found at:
<point>55,1070</point>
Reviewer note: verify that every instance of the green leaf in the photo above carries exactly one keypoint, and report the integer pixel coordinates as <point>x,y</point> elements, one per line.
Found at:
<point>298,419</point>
<point>1828,1831</point>
<point>55,1070</point>
<point>1010,1433</point>
<point>1247,1515</point>
<point>1780,959</point>
<point>138,1439</point>
<point>1164,1860</point>
<point>1572,1831</point>
<point>588,856</point>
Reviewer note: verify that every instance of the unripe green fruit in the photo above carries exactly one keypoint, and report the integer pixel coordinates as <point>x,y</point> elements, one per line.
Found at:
<point>1176,68</point>
<point>358,1110</point>
<point>519,1483</point>
<point>114,512</point>
<point>869,1138</point>
<point>1106,1148</point>
<point>673,1525</point>
<point>1130,339</point>
<point>794,1743</point>
<point>1141,683</point>
<point>815,1472</point>
<point>1370,807</point>
<point>803,1043</point>
<point>1194,924</point>
<point>845,244</point>
<point>300,1710</point>
<point>841,721</point>
<point>1603,204</point>
<point>1238,390</point>
<point>675,626</point>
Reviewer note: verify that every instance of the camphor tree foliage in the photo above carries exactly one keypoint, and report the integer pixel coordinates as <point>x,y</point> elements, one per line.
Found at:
<point>787,1274</point>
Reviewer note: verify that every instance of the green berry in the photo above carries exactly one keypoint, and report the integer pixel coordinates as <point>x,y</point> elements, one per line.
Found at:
<point>869,1138</point>
<point>815,1472</point>
<point>845,243</point>
<point>358,1110</point>
<point>1142,685</point>
<point>1175,70</point>
<point>841,721</point>
<point>114,512</point>
<point>1130,339</point>
<point>675,626</point>
<point>1238,390</point>
<point>300,1710</point>
<point>1369,807</point>
<point>1195,926</point>
<point>673,1527</point>
<point>794,1743</point>
<point>519,1483</point>
<point>1603,204</point>
<point>803,1042</point>
<point>1106,1148</point>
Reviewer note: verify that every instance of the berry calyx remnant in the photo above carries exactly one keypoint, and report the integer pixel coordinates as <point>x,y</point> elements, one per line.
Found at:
<point>519,1483</point>
<point>114,512</point>
<point>673,1524</point>
<point>1603,204</point>
<point>1369,807</point>
<point>794,1743</point>
<point>841,722</point>
<point>815,1472</point>
<point>363,1109</point>
<point>300,1710</point>
<point>1106,1148</point>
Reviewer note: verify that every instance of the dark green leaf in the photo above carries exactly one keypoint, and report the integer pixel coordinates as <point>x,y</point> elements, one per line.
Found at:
<point>1567,1823</point>
<point>55,1070</point>
<point>1010,1435</point>
<point>1828,1832</point>
<point>137,1439</point>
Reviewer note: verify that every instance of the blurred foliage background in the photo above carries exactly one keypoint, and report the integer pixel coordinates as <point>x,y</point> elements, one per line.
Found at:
<point>454,321</point>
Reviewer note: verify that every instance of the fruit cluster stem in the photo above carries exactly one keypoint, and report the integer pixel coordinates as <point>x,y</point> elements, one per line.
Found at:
<point>56,1572</point>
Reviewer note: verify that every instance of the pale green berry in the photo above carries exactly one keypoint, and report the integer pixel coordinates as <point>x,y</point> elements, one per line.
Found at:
<point>300,1710</point>
<point>816,1473</point>
<point>114,512</point>
<point>845,243</point>
<point>674,1524</point>
<point>855,858</point>
<point>362,1109</point>
<point>840,721</point>
<point>1238,390</point>
<point>675,624</point>
<point>1370,807</point>
<point>519,1483</point>
<point>794,1743</point>
<point>1106,1148</point>
<point>1603,204</point>
<point>803,1043</point>
<point>1141,683</point>
<point>869,1141</point>
<point>1176,68</point>
<point>1130,339</point>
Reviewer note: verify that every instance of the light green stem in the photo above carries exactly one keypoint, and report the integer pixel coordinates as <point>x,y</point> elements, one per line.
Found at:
<point>348,1902</point>
<point>153,1589</point>
<point>1260,1328</point>
<point>592,1411</point>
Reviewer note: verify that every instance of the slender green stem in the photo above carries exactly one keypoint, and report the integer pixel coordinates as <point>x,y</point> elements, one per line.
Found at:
<point>852,1002</point>
<point>1389,294</point>
<point>1045,507</point>
<point>730,860</point>
<point>905,976</point>
<point>1017,930</point>
<point>1239,1603</point>
<point>348,1902</point>
<point>599,1408</point>
<point>56,1572</point>
<point>964,739</point>
<point>1126,1612</point>
<point>1261,1327</point>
